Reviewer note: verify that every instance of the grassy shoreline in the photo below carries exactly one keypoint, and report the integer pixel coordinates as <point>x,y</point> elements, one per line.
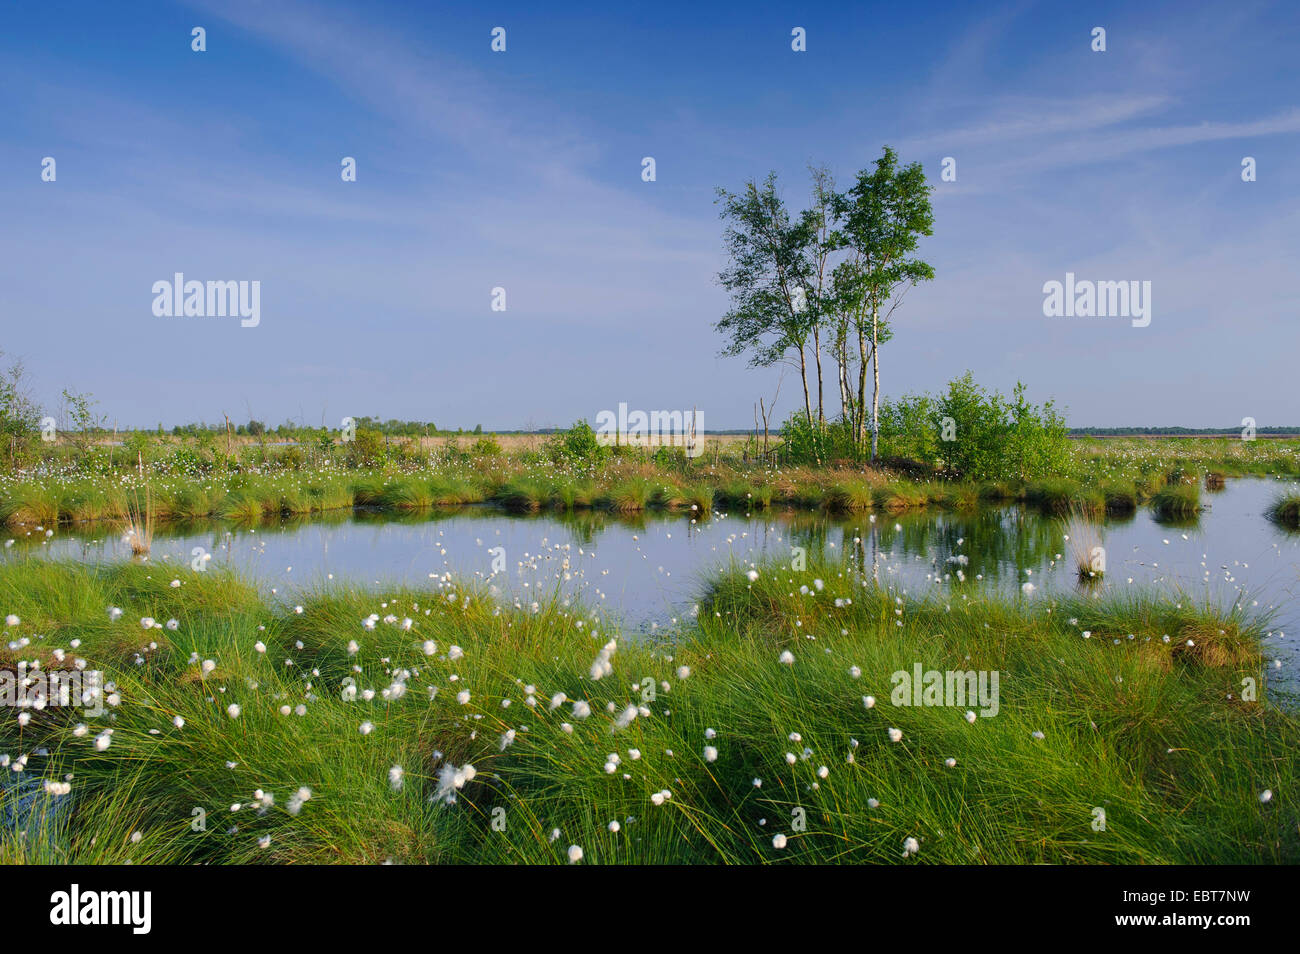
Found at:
<point>1114,476</point>
<point>620,487</point>
<point>1153,733</point>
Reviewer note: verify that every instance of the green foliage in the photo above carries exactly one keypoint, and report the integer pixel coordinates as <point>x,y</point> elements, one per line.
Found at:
<point>366,447</point>
<point>485,447</point>
<point>993,438</point>
<point>137,444</point>
<point>20,418</point>
<point>908,428</point>
<point>291,458</point>
<point>811,443</point>
<point>965,431</point>
<point>578,444</point>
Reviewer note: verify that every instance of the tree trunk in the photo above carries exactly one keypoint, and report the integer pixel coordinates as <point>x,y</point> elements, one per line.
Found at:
<point>842,360</point>
<point>803,375</point>
<point>860,412</point>
<point>875,371</point>
<point>817,356</point>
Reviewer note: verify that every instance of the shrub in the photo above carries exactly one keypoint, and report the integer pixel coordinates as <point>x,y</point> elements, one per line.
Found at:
<point>908,429</point>
<point>978,435</point>
<point>578,444</point>
<point>805,442</point>
<point>485,447</point>
<point>366,447</point>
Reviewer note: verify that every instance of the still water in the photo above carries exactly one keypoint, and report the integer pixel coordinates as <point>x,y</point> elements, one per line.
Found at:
<point>648,572</point>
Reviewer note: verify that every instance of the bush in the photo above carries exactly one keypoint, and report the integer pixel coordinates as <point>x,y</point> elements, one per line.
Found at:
<point>485,447</point>
<point>991,438</point>
<point>366,447</point>
<point>136,445</point>
<point>291,458</point>
<point>189,460</point>
<point>578,444</point>
<point>907,429</point>
<point>807,442</point>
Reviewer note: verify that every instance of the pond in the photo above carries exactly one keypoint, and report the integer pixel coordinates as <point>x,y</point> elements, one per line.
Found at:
<point>648,572</point>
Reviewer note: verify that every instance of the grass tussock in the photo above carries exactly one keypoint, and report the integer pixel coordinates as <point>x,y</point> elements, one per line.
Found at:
<point>1084,546</point>
<point>1174,501</point>
<point>1285,511</point>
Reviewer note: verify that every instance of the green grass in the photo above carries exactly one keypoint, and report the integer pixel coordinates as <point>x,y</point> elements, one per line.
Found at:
<point>1114,476</point>
<point>1121,497</point>
<point>849,496</point>
<point>897,497</point>
<point>1285,511</point>
<point>1153,732</point>
<point>1176,501</point>
<point>1063,496</point>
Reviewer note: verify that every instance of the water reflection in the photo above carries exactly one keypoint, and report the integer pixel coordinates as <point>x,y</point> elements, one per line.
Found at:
<point>647,569</point>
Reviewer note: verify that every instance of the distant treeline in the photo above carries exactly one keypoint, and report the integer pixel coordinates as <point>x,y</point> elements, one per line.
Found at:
<point>1172,431</point>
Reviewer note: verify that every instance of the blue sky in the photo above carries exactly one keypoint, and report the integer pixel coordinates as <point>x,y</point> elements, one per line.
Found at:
<point>522,170</point>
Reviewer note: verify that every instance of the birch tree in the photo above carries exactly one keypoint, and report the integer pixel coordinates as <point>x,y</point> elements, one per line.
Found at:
<point>884,214</point>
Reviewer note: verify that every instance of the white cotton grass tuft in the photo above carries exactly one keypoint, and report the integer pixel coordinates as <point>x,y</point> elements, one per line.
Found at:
<point>910,847</point>
<point>1266,796</point>
<point>233,710</point>
<point>710,754</point>
<point>778,841</point>
<point>297,799</point>
<point>452,780</point>
<point>786,658</point>
<point>895,735</point>
<point>602,666</point>
<point>395,775</point>
<point>575,854</point>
